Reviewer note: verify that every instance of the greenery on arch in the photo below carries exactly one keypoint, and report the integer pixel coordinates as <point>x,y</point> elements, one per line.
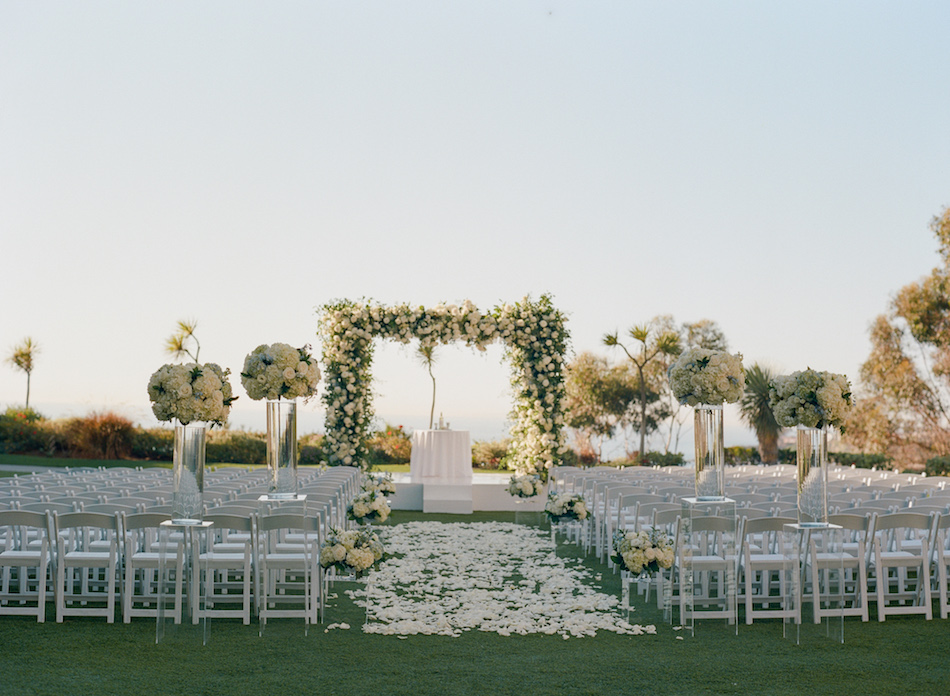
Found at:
<point>535,339</point>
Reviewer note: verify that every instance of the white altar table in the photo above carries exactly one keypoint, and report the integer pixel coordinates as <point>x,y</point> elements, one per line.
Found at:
<point>441,461</point>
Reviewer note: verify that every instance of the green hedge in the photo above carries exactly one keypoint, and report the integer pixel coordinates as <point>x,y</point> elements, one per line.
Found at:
<point>861,461</point>
<point>938,466</point>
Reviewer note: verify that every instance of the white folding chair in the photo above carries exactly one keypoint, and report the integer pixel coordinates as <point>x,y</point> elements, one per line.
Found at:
<point>228,568</point>
<point>24,563</point>
<point>901,545</point>
<point>87,561</point>
<point>142,556</point>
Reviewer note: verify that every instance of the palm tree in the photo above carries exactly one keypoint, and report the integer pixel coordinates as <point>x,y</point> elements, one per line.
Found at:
<point>756,412</point>
<point>666,343</point>
<point>22,359</point>
<point>426,354</point>
<point>176,343</point>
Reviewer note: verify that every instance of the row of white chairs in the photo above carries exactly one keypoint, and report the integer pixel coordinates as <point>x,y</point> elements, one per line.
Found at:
<point>88,561</point>
<point>897,551</point>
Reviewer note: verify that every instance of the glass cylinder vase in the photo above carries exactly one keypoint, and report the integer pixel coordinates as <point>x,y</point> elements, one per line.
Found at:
<point>812,459</point>
<point>282,448</point>
<point>188,473</point>
<point>710,459</point>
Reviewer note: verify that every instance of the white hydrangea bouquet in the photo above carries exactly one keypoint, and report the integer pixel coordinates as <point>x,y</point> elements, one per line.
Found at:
<point>526,486</point>
<point>379,483</point>
<point>353,551</point>
<point>191,392</point>
<point>702,376</point>
<point>642,552</point>
<point>369,506</point>
<point>565,506</point>
<point>810,398</point>
<point>280,371</point>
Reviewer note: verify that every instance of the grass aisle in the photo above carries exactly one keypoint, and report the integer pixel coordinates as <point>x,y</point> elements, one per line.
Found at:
<point>89,657</point>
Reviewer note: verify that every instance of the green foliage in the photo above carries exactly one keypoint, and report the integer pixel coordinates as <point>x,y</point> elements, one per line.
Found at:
<point>310,450</point>
<point>155,444</point>
<point>787,455</point>
<point>237,447</point>
<point>652,459</point>
<point>861,460</point>
<point>391,445</point>
<point>741,455</point>
<point>23,430</point>
<point>938,466</point>
<point>489,454</point>
<point>99,436</point>
<point>756,411</point>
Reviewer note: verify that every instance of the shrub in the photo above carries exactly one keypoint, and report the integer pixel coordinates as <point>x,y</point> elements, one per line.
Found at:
<point>742,455</point>
<point>859,460</point>
<point>310,450</point>
<point>389,446</point>
<point>652,459</point>
<point>938,466</point>
<point>489,454</point>
<point>99,436</point>
<point>236,447</point>
<point>23,430</point>
<point>154,444</point>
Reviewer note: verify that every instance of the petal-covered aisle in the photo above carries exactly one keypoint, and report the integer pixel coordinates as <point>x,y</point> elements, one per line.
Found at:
<point>445,579</point>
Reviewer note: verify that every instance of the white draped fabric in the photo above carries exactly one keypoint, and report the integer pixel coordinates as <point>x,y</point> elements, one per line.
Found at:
<point>441,456</point>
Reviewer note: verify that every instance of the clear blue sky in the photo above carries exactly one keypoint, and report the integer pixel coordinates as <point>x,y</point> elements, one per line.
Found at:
<point>770,166</point>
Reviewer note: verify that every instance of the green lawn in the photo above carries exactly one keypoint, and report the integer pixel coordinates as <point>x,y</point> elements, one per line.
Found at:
<point>89,657</point>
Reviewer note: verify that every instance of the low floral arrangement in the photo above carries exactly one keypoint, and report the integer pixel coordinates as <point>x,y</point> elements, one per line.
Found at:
<point>810,398</point>
<point>280,371</point>
<point>369,506</point>
<point>379,483</point>
<point>642,552</point>
<point>565,506</point>
<point>351,551</point>
<point>526,486</point>
<point>190,393</point>
<point>702,376</point>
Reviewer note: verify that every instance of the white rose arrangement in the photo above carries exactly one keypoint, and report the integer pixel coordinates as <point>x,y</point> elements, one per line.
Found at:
<point>642,552</point>
<point>280,371</point>
<point>526,486</point>
<point>810,398</point>
<point>702,376</point>
<point>369,506</point>
<point>380,483</point>
<point>565,506</point>
<point>351,551</point>
<point>191,392</point>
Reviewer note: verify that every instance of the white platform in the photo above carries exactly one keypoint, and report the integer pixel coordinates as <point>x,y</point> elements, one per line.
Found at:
<point>488,493</point>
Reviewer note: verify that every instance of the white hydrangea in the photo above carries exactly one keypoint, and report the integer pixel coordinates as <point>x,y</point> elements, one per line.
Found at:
<point>643,552</point>
<point>810,398</point>
<point>351,551</point>
<point>703,376</point>
<point>565,506</point>
<point>191,392</point>
<point>280,371</point>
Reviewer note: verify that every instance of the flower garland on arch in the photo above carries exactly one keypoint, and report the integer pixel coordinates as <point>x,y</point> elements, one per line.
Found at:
<point>535,340</point>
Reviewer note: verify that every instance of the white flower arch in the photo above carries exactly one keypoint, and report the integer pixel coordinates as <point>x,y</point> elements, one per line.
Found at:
<point>535,340</point>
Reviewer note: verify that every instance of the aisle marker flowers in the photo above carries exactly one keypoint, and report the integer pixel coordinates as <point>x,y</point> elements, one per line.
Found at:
<point>526,486</point>
<point>565,506</point>
<point>642,552</point>
<point>369,506</point>
<point>353,551</point>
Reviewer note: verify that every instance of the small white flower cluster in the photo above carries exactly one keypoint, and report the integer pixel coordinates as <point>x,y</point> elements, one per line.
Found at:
<point>643,551</point>
<point>702,376</point>
<point>369,506</point>
<point>567,506</point>
<point>810,398</point>
<point>351,551</point>
<point>533,333</point>
<point>379,483</point>
<point>280,371</point>
<point>190,393</point>
<point>526,485</point>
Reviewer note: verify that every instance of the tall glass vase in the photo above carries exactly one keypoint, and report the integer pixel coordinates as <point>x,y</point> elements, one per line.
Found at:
<point>188,473</point>
<point>282,448</point>
<point>812,458</point>
<point>710,460</point>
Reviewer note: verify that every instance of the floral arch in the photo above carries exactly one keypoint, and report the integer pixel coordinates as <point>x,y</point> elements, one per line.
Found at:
<point>535,340</point>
